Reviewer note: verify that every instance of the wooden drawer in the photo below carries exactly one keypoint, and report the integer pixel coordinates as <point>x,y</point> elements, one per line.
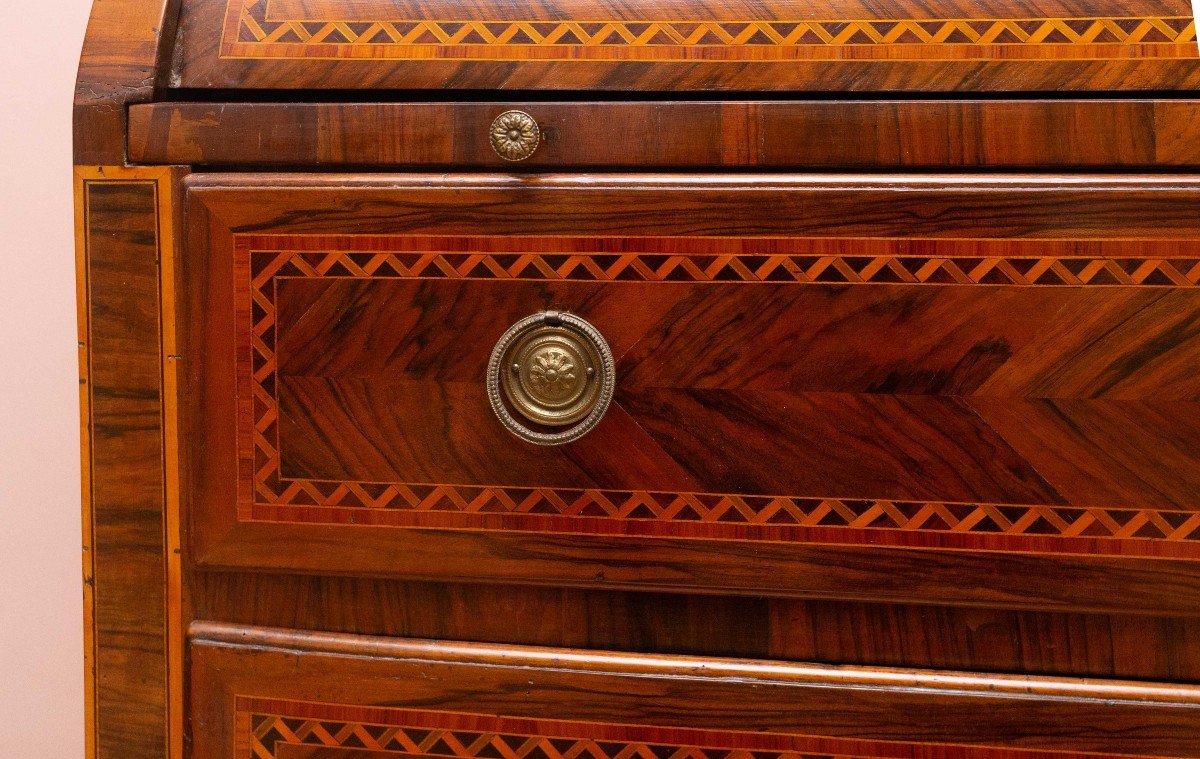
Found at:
<point>277,694</point>
<point>948,390</point>
<point>642,135</point>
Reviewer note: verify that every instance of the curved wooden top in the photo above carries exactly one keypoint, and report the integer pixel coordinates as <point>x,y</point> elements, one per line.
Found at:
<point>715,45</point>
<point>121,62</point>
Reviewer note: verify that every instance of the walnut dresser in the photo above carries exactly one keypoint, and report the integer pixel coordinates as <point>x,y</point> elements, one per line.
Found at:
<point>671,379</point>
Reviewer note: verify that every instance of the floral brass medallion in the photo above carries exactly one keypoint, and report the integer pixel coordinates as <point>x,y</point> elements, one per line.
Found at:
<point>553,374</point>
<point>515,135</point>
<point>554,371</point>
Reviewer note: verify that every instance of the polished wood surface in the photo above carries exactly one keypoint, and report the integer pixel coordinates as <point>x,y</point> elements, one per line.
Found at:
<point>761,134</point>
<point>807,708</point>
<point>901,465</point>
<point>1033,424</point>
<point>672,45</point>
<point>126,227</point>
<point>987,385</point>
<point>123,60</point>
<point>830,631</point>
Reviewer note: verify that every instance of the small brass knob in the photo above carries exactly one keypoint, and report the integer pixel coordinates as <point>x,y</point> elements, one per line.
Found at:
<point>515,135</point>
<point>551,378</point>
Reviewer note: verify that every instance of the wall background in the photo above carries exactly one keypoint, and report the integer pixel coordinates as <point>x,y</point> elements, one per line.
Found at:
<point>41,624</point>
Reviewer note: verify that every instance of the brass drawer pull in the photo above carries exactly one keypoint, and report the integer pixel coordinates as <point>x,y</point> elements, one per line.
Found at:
<point>515,135</point>
<point>556,372</point>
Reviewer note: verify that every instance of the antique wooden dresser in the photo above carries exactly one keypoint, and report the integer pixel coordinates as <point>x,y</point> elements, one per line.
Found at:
<point>670,379</point>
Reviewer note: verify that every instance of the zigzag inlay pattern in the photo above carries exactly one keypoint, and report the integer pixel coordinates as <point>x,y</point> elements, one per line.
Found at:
<point>1031,521</point>
<point>621,267</point>
<point>268,731</point>
<point>257,32</point>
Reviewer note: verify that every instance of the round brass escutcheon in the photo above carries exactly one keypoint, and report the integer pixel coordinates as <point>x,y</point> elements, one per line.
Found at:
<point>515,135</point>
<point>553,370</point>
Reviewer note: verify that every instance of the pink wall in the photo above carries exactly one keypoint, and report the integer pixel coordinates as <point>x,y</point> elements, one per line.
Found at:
<point>41,638</point>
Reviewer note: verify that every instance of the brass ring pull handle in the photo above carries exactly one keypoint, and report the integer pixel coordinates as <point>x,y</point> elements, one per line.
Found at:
<point>551,378</point>
<point>515,135</point>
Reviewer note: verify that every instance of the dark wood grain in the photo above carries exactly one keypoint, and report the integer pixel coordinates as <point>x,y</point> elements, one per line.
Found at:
<point>946,423</point>
<point>776,389</point>
<point>122,242</point>
<point>780,134</point>
<point>833,632</point>
<point>732,699</point>
<point>300,45</point>
<point>1089,379</point>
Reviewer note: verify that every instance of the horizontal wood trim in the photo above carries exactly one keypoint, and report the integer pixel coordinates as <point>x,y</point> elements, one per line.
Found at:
<point>958,578</point>
<point>776,135</point>
<point>861,711</point>
<point>935,206</point>
<point>900,635</point>
<point>693,667</point>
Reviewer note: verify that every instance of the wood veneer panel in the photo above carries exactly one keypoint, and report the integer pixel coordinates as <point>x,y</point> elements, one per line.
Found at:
<point>242,677</point>
<point>834,632</point>
<point>841,45</point>
<point>890,392</point>
<point>126,230</point>
<point>918,134</point>
<point>1115,259</point>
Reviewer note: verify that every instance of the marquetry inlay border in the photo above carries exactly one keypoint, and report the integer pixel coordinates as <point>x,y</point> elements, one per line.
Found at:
<point>267,729</point>
<point>252,32</point>
<point>262,261</point>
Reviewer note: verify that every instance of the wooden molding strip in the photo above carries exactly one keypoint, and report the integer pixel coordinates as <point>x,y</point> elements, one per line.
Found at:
<point>1066,134</point>
<point>695,667</point>
<point>252,681</point>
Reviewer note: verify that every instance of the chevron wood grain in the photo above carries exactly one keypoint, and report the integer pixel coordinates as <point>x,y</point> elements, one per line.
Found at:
<point>665,376</point>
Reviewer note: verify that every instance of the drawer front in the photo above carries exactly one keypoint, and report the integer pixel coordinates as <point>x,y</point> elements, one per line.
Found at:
<point>915,383</point>
<point>278,694</point>
<point>1070,134</point>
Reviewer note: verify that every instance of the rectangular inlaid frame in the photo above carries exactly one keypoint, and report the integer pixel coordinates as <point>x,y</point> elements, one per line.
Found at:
<point>267,495</point>
<point>128,386</point>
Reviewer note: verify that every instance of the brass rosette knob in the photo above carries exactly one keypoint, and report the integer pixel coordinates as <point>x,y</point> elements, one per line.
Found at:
<point>551,378</point>
<point>515,136</point>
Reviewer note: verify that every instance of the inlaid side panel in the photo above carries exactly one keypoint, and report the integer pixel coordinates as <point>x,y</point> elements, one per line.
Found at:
<point>126,228</point>
<point>675,44</point>
<point>267,693</point>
